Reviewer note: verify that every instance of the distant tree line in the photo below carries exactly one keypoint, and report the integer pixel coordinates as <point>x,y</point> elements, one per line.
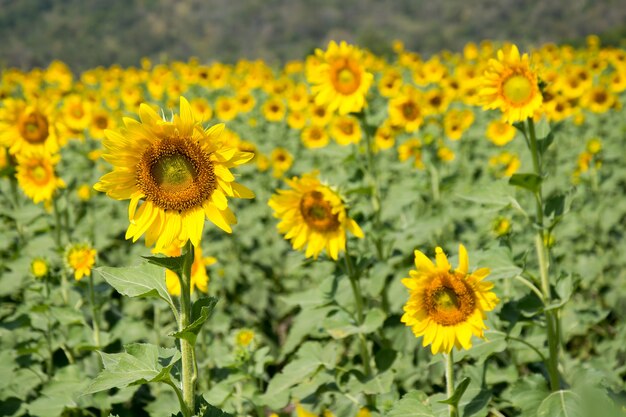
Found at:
<point>88,33</point>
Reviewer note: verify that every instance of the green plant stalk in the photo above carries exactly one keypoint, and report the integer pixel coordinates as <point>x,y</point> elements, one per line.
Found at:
<point>358,298</point>
<point>434,182</point>
<point>188,358</point>
<point>57,224</point>
<point>543,256</point>
<point>448,360</point>
<point>49,360</point>
<point>373,175</point>
<point>95,313</point>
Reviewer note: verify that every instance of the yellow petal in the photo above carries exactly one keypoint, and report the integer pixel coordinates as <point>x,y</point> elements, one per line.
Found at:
<point>186,116</point>
<point>147,114</point>
<point>193,222</point>
<point>441,259</point>
<point>422,263</point>
<point>241,191</point>
<point>463,260</point>
<point>217,217</point>
<point>214,132</point>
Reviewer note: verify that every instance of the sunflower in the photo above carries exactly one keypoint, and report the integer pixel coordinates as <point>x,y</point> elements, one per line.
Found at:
<point>406,110</point>
<point>75,116</point>
<point>390,83</point>
<point>298,98</point>
<point>456,122</point>
<point>39,267</point>
<point>296,119</point>
<point>314,137</point>
<point>281,161</point>
<point>345,130</point>
<point>385,137</point>
<point>340,80</point>
<point>35,175</point>
<point>226,108</point>
<point>274,109</point>
<point>504,164</point>
<point>598,100</point>
<point>447,306</point>
<point>313,215</point>
<point>80,258</point>
<point>178,170</point>
<point>500,133</point>
<point>509,84</point>
<point>244,337</point>
<point>100,121</point>
<point>26,127</point>
<point>411,149</point>
<point>202,108</point>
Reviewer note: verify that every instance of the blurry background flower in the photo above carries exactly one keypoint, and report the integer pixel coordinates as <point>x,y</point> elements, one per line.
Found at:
<point>39,267</point>
<point>80,259</point>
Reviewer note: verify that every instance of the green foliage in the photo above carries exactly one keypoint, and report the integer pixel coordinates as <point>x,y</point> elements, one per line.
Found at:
<point>141,363</point>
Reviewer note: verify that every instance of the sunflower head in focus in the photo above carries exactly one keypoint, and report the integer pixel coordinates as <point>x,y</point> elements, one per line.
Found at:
<point>80,258</point>
<point>175,173</point>
<point>340,80</point>
<point>447,306</point>
<point>314,216</point>
<point>510,85</point>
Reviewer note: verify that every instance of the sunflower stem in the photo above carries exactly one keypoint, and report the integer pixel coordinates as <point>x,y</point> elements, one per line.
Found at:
<point>94,312</point>
<point>373,177</point>
<point>57,225</point>
<point>543,257</point>
<point>449,364</point>
<point>358,298</point>
<point>49,359</point>
<point>188,359</point>
<point>434,182</point>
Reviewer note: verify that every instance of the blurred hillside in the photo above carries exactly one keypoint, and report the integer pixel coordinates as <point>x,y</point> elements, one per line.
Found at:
<point>87,33</point>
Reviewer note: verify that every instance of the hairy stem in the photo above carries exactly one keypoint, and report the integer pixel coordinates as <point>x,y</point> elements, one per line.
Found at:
<point>552,318</point>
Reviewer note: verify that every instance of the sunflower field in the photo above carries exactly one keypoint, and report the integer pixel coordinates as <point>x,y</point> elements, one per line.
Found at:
<point>345,235</point>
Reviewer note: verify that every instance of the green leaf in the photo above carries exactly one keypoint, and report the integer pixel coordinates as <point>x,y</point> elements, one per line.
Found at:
<point>528,393</point>
<point>555,205</point>
<point>309,358</point>
<point>458,393</point>
<point>379,384</point>
<point>528,181</point>
<point>494,342</point>
<point>373,320</point>
<point>140,364</point>
<point>412,404</point>
<point>211,411</point>
<point>144,280</point>
<point>200,313</point>
<point>544,144</point>
<point>496,193</point>
<point>561,404</point>
<point>173,263</point>
<point>341,325</point>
